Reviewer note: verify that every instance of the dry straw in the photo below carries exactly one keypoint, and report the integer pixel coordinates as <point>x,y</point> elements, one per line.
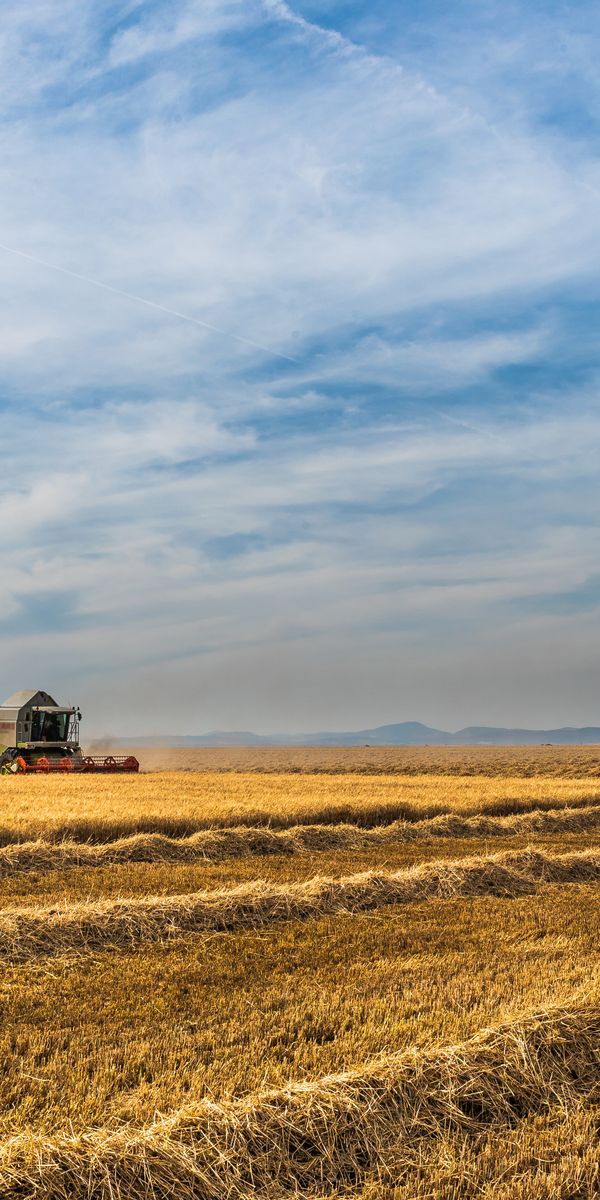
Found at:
<point>215,845</point>
<point>323,1135</point>
<point>284,813</point>
<point>31,931</point>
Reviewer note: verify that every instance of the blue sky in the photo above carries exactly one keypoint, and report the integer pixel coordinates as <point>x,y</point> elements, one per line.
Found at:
<point>343,468</point>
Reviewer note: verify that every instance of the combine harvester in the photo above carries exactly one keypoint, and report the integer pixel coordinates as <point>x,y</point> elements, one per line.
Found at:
<point>38,735</point>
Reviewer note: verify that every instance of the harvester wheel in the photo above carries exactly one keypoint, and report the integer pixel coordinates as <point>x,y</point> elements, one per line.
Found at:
<point>12,764</point>
<point>110,762</point>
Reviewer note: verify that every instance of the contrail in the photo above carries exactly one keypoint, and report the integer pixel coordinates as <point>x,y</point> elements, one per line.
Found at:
<point>172,312</point>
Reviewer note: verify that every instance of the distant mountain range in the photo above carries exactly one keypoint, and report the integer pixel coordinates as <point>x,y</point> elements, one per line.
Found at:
<point>407,733</point>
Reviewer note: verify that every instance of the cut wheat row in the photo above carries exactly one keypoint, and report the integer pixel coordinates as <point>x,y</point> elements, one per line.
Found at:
<point>54,826</point>
<point>324,1134</point>
<point>215,845</point>
<point>82,927</point>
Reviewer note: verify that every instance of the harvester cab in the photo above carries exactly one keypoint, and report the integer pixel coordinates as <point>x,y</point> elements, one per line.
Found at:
<point>38,735</point>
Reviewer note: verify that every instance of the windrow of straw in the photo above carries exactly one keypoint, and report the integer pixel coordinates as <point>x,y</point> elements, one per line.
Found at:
<point>215,845</point>
<point>129,922</point>
<point>323,1135</point>
<point>285,811</point>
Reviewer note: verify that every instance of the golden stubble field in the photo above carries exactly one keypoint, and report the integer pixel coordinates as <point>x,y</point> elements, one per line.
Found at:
<point>522,761</point>
<point>253,983</point>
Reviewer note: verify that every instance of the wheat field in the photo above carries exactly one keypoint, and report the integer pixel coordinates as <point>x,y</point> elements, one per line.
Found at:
<point>248,983</point>
<point>557,761</point>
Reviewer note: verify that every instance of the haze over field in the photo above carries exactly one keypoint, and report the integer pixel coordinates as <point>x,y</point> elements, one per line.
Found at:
<point>299,363</point>
<point>408,733</point>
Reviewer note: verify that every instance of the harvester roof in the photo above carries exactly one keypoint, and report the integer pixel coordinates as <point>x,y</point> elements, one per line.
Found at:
<point>28,696</point>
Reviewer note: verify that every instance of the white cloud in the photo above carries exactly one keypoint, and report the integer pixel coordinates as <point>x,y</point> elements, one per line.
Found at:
<point>177,25</point>
<point>337,209</point>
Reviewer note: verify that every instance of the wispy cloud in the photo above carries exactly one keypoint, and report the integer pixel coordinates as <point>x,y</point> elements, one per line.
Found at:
<point>159,31</point>
<point>407,477</point>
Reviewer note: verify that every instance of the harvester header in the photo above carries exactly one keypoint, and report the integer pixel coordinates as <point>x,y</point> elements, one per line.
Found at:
<point>38,735</point>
